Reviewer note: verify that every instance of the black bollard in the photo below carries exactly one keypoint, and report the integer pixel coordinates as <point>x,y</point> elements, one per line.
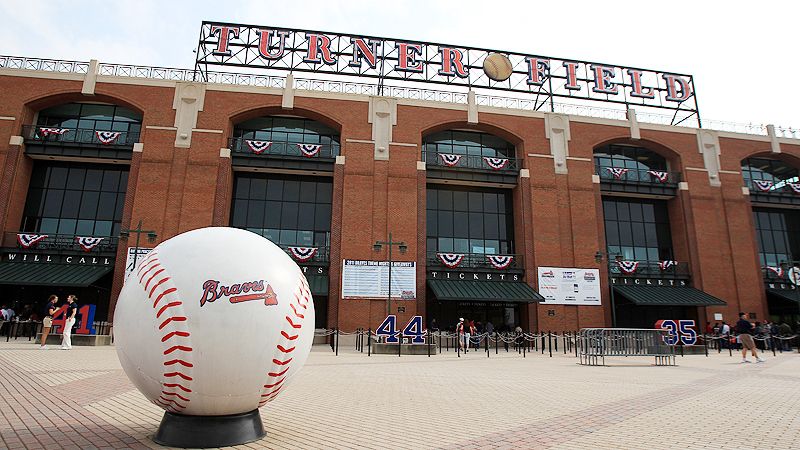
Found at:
<point>369,341</point>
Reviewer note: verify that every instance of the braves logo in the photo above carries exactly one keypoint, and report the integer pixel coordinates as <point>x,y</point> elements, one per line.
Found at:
<point>238,293</point>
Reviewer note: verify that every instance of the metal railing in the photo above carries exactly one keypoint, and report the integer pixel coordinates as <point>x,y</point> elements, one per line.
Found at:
<point>652,269</point>
<point>782,190</point>
<point>472,162</point>
<point>595,344</point>
<point>60,242</point>
<point>323,254</point>
<point>637,176</point>
<point>245,79</point>
<point>284,149</point>
<point>472,261</point>
<point>36,133</point>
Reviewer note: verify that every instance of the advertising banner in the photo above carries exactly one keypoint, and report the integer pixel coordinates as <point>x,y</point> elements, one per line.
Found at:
<point>569,286</point>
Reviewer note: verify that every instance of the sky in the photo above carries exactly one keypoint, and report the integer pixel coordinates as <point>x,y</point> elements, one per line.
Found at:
<point>738,52</point>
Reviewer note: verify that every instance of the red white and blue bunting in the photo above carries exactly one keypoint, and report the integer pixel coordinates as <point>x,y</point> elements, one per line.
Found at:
<point>49,131</point>
<point>664,265</point>
<point>303,253</point>
<point>659,175</point>
<point>618,172</point>
<point>496,163</point>
<point>795,187</point>
<point>107,137</point>
<point>30,240</point>
<point>451,260</point>
<point>776,270</point>
<point>258,147</point>
<point>449,159</point>
<point>629,267</point>
<point>500,261</point>
<point>309,150</point>
<point>763,185</point>
<point>88,243</point>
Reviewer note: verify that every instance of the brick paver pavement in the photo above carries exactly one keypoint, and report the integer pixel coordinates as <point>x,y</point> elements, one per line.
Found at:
<point>82,399</point>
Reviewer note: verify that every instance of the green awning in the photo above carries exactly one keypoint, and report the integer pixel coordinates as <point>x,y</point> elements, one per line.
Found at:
<point>792,296</point>
<point>318,284</point>
<point>667,296</point>
<point>483,291</point>
<point>68,275</point>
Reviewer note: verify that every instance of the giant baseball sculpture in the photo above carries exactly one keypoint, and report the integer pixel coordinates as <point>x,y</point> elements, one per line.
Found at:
<point>210,326</point>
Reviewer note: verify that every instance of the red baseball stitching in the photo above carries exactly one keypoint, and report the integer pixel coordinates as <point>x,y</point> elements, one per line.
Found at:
<point>276,375</point>
<point>177,371</point>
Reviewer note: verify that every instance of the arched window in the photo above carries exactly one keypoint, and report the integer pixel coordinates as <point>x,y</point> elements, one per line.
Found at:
<point>285,133</point>
<point>92,117</point>
<point>468,143</point>
<point>769,175</point>
<point>628,157</point>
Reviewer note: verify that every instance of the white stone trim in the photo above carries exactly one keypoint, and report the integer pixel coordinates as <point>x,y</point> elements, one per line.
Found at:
<point>577,158</point>
<point>16,140</point>
<point>556,129</point>
<point>383,117</point>
<point>633,123</point>
<point>224,152</point>
<point>360,141</point>
<point>421,165</point>
<point>539,155</point>
<point>595,179</point>
<point>7,118</point>
<point>683,186</point>
<point>774,144</point>
<point>287,97</point>
<point>158,127</point>
<point>472,107</point>
<point>708,146</point>
<point>403,144</point>
<point>138,147</point>
<point>204,130</point>
<point>524,173</point>
<point>696,169</point>
<point>90,79</point>
<point>340,159</point>
<point>745,190</point>
<point>730,172</point>
<point>187,103</point>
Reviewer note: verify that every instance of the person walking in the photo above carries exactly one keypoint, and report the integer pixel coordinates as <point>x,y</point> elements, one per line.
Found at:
<point>47,323</point>
<point>72,310</point>
<point>460,331</point>
<point>745,330</point>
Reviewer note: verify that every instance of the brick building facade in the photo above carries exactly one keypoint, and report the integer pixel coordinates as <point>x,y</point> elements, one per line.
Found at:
<point>187,164</point>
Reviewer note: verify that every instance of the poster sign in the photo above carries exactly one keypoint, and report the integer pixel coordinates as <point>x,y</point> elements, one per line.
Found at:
<point>569,286</point>
<point>370,279</point>
<point>137,254</point>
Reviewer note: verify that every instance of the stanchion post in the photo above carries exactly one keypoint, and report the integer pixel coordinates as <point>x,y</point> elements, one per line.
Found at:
<point>399,343</point>
<point>429,343</point>
<point>705,344</point>
<point>542,335</point>
<point>772,343</point>
<point>550,342</point>
<point>369,341</point>
<point>486,345</point>
<point>336,352</point>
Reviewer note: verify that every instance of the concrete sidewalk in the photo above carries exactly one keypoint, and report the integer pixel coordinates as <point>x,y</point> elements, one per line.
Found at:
<point>82,399</point>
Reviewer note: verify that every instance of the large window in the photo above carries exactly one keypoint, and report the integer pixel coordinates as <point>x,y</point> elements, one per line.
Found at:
<point>91,116</point>
<point>637,229</point>
<point>778,234</point>
<point>469,221</point>
<point>763,169</point>
<point>468,143</point>
<point>75,199</point>
<point>291,130</point>
<point>284,209</point>
<point>628,157</point>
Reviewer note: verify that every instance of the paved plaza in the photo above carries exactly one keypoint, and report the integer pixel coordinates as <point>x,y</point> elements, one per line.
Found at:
<point>82,399</point>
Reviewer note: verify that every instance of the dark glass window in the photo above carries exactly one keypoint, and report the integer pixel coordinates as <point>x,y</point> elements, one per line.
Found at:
<point>627,157</point>
<point>468,143</point>
<point>285,209</point>
<point>764,169</point>
<point>91,116</point>
<point>289,130</point>
<point>778,234</point>
<point>637,229</point>
<point>73,198</point>
<point>464,220</point>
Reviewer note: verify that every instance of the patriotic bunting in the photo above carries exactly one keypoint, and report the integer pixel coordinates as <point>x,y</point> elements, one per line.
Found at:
<point>496,163</point>
<point>776,270</point>
<point>618,172</point>
<point>309,150</point>
<point>451,260</point>
<point>628,267</point>
<point>107,137</point>
<point>258,147</point>
<point>30,240</point>
<point>795,187</point>
<point>88,243</point>
<point>500,261</point>
<point>763,185</point>
<point>659,175</point>
<point>450,160</point>
<point>664,265</point>
<point>48,131</point>
<point>303,253</point>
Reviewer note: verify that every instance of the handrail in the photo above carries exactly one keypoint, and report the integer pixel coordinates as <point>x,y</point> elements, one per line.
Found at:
<point>475,162</point>
<point>48,135</point>
<point>637,176</point>
<point>282,148</point>
<point>471,261</point>
<point>650,269</point>
<point>59,242</point>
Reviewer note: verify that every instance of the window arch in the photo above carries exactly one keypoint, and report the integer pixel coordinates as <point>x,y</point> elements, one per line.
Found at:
<point>286,132</point>
<point>468,143</point>
<point>769,170</point>
<point>92,116</point>
<point>628,157</point>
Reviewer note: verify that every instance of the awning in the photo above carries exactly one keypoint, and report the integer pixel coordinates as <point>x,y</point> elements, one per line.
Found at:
<point>484,291</point>
<point>68,275</point>
<point>667,296</point>
<point>792,296</point>
<point>318,284</point>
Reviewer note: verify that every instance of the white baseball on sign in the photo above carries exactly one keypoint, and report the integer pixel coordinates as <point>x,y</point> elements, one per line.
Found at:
<point>214,321</point>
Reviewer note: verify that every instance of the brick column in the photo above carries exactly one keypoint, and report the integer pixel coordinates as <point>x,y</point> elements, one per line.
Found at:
<point>222,197</point>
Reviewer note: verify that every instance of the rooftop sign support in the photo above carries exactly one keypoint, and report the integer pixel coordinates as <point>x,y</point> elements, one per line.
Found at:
<point>543,78</point>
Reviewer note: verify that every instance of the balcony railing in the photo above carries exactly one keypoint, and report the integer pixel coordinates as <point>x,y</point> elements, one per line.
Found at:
<point>763,187</point>
<point>670,270</point>
<point>471,162</point>
<point>474,261</point>
<point>638,176</point>
<point>269,149</point>
<point>82,136</point>
<point>321,255</point>
<point>29,241</point>
<point>781,274</point>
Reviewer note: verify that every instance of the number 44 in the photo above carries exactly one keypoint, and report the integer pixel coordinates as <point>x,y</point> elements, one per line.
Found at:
<point>413,329</point>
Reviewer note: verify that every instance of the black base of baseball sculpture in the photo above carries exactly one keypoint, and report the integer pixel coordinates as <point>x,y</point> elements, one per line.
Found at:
<point>177,430</point>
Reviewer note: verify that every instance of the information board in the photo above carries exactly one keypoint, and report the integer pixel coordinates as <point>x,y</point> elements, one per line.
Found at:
<point>135,253</point>
<point>370,279</point>
<point>569,286</point>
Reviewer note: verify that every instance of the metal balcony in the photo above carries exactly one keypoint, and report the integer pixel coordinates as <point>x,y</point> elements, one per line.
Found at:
<point>59,243</point>
<point>638,181</point>
<point>650,269</point>
<point>282,155</point>
<point>472,168</point>
<point>780,193</point>
<point>474,261</point>
<point>321,257</point>
<point>78,142</point>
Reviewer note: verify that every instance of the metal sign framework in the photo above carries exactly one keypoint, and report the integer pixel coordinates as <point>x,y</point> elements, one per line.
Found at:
<point>545,78</point>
